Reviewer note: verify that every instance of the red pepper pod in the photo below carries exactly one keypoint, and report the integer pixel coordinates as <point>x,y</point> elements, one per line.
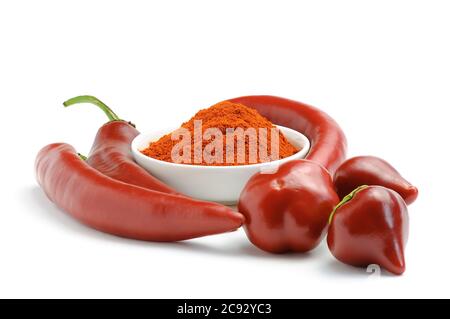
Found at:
<point>370,226</point>
<point>111,155</point>
<point>371,170</point>
<point>289,210</point>
<point>111,152</point>
<point>122,209</point>
<point>328,142</point>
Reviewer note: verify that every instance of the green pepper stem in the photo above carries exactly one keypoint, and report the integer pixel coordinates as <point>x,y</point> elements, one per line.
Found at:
<point>83,157</point>
<point>93,100</point>
<point>345,200</point>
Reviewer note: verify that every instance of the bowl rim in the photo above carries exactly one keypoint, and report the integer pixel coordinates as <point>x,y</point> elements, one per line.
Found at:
<point>305,150</point>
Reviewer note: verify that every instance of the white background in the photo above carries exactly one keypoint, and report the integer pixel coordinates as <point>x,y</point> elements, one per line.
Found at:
<point>380,68</point>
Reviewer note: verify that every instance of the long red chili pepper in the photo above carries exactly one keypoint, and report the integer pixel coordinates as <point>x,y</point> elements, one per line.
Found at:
<point>328,142</point>
<point>111,152</point>
<point>122,209</point>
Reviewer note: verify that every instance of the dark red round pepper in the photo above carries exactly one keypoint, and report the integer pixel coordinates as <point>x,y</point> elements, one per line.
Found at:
<point>111,152</point>
<point>370,226</point>
<point>123,209</point>
<point>328,142</point>
<point>370,170</point>
<point>289,210</point>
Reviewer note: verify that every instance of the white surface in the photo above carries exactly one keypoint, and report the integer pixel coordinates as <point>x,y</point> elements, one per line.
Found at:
<point>380,68</point>
<point>221,184</point>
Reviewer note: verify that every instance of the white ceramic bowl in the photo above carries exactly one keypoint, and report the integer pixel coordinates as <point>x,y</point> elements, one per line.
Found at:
<point>221,184</point>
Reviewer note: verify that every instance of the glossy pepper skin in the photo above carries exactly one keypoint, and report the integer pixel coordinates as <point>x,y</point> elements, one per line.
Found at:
<point>122,209</point>
<point>371,170</point>
<point>370,226</point>
<point>328,142</point>
<point>289,210</point>
<point>111,152</point>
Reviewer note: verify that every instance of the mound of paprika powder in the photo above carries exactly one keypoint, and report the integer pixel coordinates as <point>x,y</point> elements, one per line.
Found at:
<point>224,116</point>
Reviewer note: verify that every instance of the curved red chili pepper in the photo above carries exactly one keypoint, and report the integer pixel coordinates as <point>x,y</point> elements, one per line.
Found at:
<point>111,152</point>
<point>328,142</point>
<point>122,209</point>
<point>370,226</point>
<point>288,210</point>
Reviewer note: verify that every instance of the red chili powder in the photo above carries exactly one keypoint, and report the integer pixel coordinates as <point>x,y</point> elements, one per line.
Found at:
<point>223,116</point>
